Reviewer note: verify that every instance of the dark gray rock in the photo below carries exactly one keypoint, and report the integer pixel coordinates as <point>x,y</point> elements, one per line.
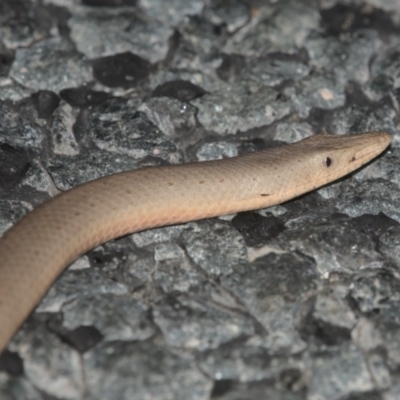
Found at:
<point>295,302</point>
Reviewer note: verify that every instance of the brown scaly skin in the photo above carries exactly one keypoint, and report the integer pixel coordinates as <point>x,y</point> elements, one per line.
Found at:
<point>35,251</point>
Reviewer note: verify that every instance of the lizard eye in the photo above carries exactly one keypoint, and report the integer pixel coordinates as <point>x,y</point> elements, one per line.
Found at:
<point>328,162</point>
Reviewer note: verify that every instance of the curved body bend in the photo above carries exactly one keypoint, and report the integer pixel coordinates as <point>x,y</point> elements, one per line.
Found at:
<point>42,244</point>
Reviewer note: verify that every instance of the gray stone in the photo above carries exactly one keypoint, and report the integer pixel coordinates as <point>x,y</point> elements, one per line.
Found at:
<point>100,32</point>
<point>238,108</point>
<point>51,64</point>
<point>152,371</point>
<point>192,323</point>
<point>339,374</point>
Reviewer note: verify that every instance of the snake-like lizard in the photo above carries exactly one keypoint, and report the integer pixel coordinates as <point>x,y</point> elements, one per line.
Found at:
<point>37,248</point>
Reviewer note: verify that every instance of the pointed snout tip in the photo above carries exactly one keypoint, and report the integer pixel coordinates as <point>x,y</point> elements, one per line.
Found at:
<point>386,138</point>
<point>375,140</point>
<point>383,138</point>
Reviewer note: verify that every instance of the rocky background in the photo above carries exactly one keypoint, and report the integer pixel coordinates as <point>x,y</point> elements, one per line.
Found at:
<point>299,301</point>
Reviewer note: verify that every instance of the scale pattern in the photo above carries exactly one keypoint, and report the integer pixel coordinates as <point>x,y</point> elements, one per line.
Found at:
<point>35,251</point>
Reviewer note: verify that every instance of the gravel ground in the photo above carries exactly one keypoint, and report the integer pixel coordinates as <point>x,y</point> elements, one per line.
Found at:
<point>298,301</point>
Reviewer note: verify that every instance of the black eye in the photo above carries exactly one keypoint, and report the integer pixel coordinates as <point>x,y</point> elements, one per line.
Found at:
<point>328,161</point>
